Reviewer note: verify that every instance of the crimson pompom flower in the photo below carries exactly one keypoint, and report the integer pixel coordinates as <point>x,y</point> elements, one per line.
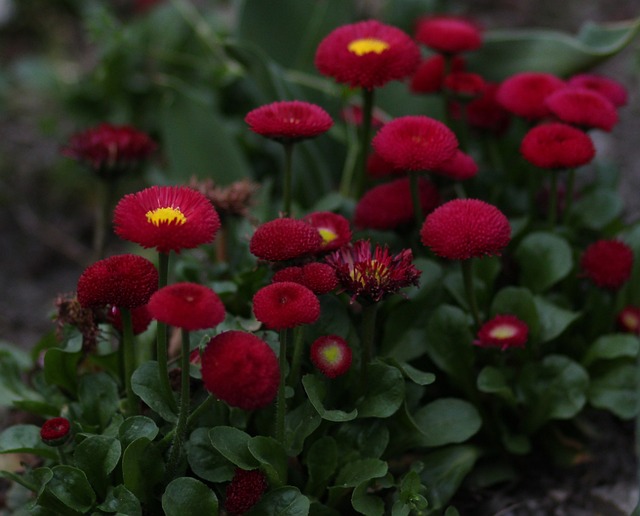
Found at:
<point>110,149</point>
<point>504,332</point>
<point>606,86</point>
<point>629,319</point>
<point>125,281</point>
<point>415,142</point>
<point>583,107</point>
<point>331,355</point>
<point>460,167</point>
<point>448,34</point>
<point>284,239</point>
<point>140,318</point>
<point>429,76</point>
<point>289,121</point>
<point>466,228</point>
<point>187,305</point>
<point>245,490</point>
<point>333,228</point>
<point>285,304</point>
<point>55,431</point>
<point>318,277</point>
<point>388,206</point>
<point>464,85</point>
<point>608,263</point>
<point>241,370</point>
<point>369,275</point>
<point>557,145</point>
<point>484,112</point>
<point>524,94</point>
<point>367,54</point>
<point>168,218</point>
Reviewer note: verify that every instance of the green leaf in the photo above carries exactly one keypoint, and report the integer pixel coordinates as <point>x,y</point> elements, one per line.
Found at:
<point>145,382</point>
<point>355,472</point>
<point>122,501</point>
<point>135,427</point>
<point>321,461</point>
<point>98,456</point>
<point>553,319</point>
<point>385,391</point>
<point>596,209</point>
<point>13,363</point>
<point>142,468</point>
<point>415,375</point>
<point>205,461</point>
<point>25,439</point>
<point>272,456</point>
<point>316,391</point>
<point>366,503</point>
<point>446,421</point>
<point>404,333</point>
<point>518,301</point>
<point>612,346</point>
<point>70,486</point>
<point>544,259</point>
<point>300,423</point>
<point>60,367</point>
<point>233,444</point>
<point>98,397</point>
<point>491,380</point>
<point>616,391</point>
<point>369,438</point>
<point>186,495</point>
<point>284,501</point>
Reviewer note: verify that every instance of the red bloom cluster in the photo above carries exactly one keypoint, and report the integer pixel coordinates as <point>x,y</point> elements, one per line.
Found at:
<point>504,332</point>
<point>464,85</point>
<point>583,107</point>
<point>245,490</point>
<point>484,112</point>
<point>55,431</point>
<point>331,355</point>
<point>448,34</point>
<point>367,54</point>
<point>430,74</point>
<point>605,86</point>
<point>629,319</point>
<point>289,121</point>
<point>608,263</point>
<point>466,228</point>
<point>285,304</point>
<point>318,277</point>
<point>241,370</point>
<point>140,318</point>
<point>557,145</point>
<point>524,94</point>
<point>333,228</point>
<point>169,218</point>
<point>284,239</point>
<point>460,167</point>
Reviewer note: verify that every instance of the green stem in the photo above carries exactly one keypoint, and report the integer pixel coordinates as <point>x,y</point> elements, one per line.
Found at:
<point>281,402</point>
<point>61,457</point>
<point>414,183</point>
<point>296,360</point>
<point>288,173</point>
<point>365,138</point>
<point>193,417</point>
<point>568,195</point>
<point>369,313</point>
<point>161,338</point>
<point>467,274</point>
<point>350,162</point>
<point>553,200</point>
<point>129,355</point>
<point>106,192</point>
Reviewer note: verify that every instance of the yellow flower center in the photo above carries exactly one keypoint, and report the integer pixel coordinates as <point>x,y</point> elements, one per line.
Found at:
<point>630,321</point>
<point>332,354</point>
<point>504,331</point>
<point>364,46</point>
<point>327,235</point>
<point>166,216</point>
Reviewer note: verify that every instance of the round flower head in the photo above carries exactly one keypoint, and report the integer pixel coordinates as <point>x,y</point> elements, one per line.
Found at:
<point>55,431</point>
<point>244,491</point>
<point>370,276</point>
<point>388,206</point>
<point>460,167</point>
<point>608,263</point>
<point>241,370</point>
<point>125,280</point>
<point>464,85</point>
<point>367,54</point>
<point>466,228</point>
<point>188,306</point>
<point>333,228</point>
<point>429,76</point>
<point>415,143</point>
<point>289,121</point>
<point>557,145</point>
<point>168,218</point>
<point>629,319</point>
<point>285,304</point>
<point>284,239</point>
<point>331,355</point>
<point>484,112</point>
<point>140,318</point>
<point>524,94</point>
<point>448,34</point>
<point>583,107</point>
<point>607,87</point>
<point>504,332</point>
<point>318,277</point>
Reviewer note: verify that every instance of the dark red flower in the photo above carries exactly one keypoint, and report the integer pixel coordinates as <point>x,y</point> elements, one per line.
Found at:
<point>629,319</point>
<point>285,305</point>
<point>504,332</point>
<point>367,54</point>
<point>140,318</point>
<point>169,218</point>
<point>466,228</point>
<point>583,107</point>
<point>188,306</point>
<point>284,239</point>
<point>289,121</point>
<point>333,228</point>
<point>389,205</point>
<point>524,94</point>
<point>55,431</point>
<point>245,490</point>
<point>241,370</point>
<point>460,167</point>
<point>378,167</point>
<point>606,86</point>
<point>484,112</point>
<point>415,143</point>
<point>448,34</point>
<point>126,281</point>
<point>429,76</point>
<point>557,145</point>
<point>331,355</point>
<point>608,263</point>
<point>464,85</point>
<point>318,277</point>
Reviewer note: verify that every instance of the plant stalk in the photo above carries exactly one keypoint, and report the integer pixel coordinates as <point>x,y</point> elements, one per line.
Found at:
<point>369,314</point>
<point>129,356</point>
<point>467,275</point>
<point>161,337</point>
<point>281,402</point>
<point>365,138</point>
<point>414,183</point>
<point>288,179</point>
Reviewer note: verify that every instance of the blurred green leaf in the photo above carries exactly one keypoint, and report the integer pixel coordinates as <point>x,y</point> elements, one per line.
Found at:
<point>122,501</point>
<point>98,456</point>
<point>137,426</point>
<point>272,457</point>
<point>205,461</point>
<point>355,472</point>
<point>186,495</point>
<point>70,486</point>
<point>544,259</point>
<point>321,461</point>
<point>364,502</point>
<point>284,501</point>
<point>142,468</point>
<point>316,391</point>
<point>612,346</point>
<point>447,421</point>
<point>596,209</point>
<point>145,382</point>
<point>98,397</point>
<point>491,380</point>
<point>385,391</point>
<point>300,423</point>
<point>25,439</point>
<point>553,319</point>
<point>615,390</point>
<point>233,444</point>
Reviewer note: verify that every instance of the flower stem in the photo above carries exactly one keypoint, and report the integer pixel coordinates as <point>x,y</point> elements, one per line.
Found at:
<point>288,173</point>
<point>106,192</point>
<point>365,137</point>
<point>296,360</point>
<point>129,356</point>
<point>369,313</point>
<point>568,197</point>
<point>415,198</point>
<point>281,402</point>
<point>193,417</point>
<point>553,201</point>
<point>467,275</point>
<point>161,337</point>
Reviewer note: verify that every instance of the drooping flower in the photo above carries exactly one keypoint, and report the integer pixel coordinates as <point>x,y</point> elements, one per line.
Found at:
<point>244,491</point>
<point>606,86</point>
<point>168,218</point>
<point>318,277</point>
<point>388,206</point>
<point>466,228</point>
<point>583,107</point>
<point>367,54</point>
<point>187,305</point>
<point>629,319</point>
<point>333,228</point>
<point>448,34</point>
<point>285,304</point>
<point>289,121</point>
<point>86,320</point>
<point>331,355</point>
<point>430,74</point>
<point>460,167</point>
<point>415,143</point>
<point>126,281</point>
<point>55,431</point>
<point>524,94</point>
<point>557,145</point>
<point>484,112</point>
<point>608,263</point>
<point>284,239</point>
<point>241,370</point>
<point>140,318</point>
<point>504,332</point>
<point>369,276</point>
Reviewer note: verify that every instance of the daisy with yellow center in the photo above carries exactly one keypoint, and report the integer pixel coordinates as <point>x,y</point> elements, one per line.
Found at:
<point>364,46</point>
<point>504,332</point>
<point>331,355</point>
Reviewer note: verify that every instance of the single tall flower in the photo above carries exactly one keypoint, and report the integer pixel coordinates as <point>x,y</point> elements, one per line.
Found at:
<point>448,34</point>
<point>583,107</point>
<point>289,121</point>
<point>244,491</point>
<point>285,239</point>
<point>504,332</point>
<point>608,263</point>
<point>524,94</point>
<point>557,146</point>
<point>285,304</point>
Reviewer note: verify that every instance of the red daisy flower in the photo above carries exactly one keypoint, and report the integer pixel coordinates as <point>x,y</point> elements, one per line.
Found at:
<point>484,112</point>
<point>331,355</point>
<point>169,218</point>
<point>284,239</point>
<point>608,263</point>
<point>55,431</point>
<point>389,205</point>
<point>353,115</point>
<point>465,228</point>
<point>415,143</point>
<point>460,167</point>
<point>241,370</point>
<point>504,332</point>
<point>367,54</point>
<point>524,94</point>
<point>557,145</point>
<point>318,277</point>
<point>607,87</point>
<point>140,318</point>
<point>583,107</point>
<point>245,490</point>
<point>429,75</point>
<point>289,121</point>
<point>125,281</point>
<point>448,34</point>
<point>464,85</point>
<point>333,228</point>
<point>188,306</point>
<point>370,276</point>
<point>285,305</point>
<point>629,319</point>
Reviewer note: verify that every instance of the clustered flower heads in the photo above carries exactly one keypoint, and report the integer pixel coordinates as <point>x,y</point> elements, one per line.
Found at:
<point>524,94</point>
<point>285,304</point>
<point>284,239</point>
<point>608,263</point>
<point>245,490</point>
<point>557,146</point>
<point>583,107</point>
<point>504,332</point>
<point>331,355</point>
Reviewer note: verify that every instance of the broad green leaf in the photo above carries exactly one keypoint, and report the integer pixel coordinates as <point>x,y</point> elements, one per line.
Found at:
<point>137,426</point>
<point>300,423</point>
<point>145,382</point>
<point>492,381</point>
<point>446,421</point>
<point>121,501</point>
<point>616,391</point>
<point>385,391</point>
<point>404,336</point>
<point>70,486</point>
<point>316,392</point>
<point>233,444</point>
<point>98,397</point>
<point>368,438</point>
<point>205,461</point>
<point>597,209</point>
<point>186,495</point>
<point>415,375</point>
<point>97,456</point>
<point>612,346</point>
<point>518,301</point>
<point>544,259</point>
<point>366,503</point>
<point>284,501</point>
<point>272,457</point>
<point>142,468</point>
<point>60,365</point>
<point>13,362</point>
<point>321,461</point>
<point>25,439</point>
<point>553,319</point>
<point>355,472</point>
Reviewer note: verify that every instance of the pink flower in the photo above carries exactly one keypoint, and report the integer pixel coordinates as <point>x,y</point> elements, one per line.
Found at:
<point>289,121</point>
<point>448,34</point>
<point>524,94</point>
<point>557,145</point>
<point>285,239</point>
<point>331,355</point>
<point>608,263</point>
<point>285,305</point>
<point>504,332</point>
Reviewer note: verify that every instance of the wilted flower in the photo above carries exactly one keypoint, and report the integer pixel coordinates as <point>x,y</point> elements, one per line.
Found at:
<point>524,94</point>
<point>244,491</point>
<point>557,145</point>
<point>289,121</point>
<point>448,34</point>
<point>331,355</point>
<point>608,263</point>
<point>233,199</point>
<point>583,107</point>
<point>55,431</point>
<point>333,228</point>
<point>284,239</point>
<point>285,304</point>
<point>85,319</point>
<point>504,332</point>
